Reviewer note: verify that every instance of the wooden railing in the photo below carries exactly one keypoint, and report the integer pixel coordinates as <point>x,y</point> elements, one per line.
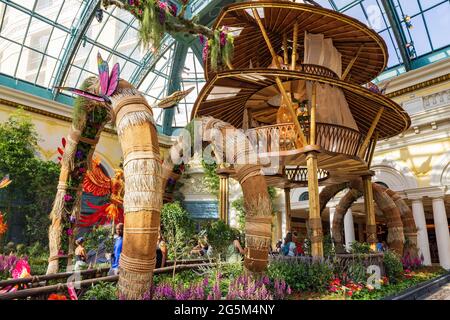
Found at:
<point>300,174</point>
<point>282,137</point>
<point>42,293</point>
<point>318,70</point>
<point>45,280</point>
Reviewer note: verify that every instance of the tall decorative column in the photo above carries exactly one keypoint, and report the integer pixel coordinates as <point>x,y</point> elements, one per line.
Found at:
<point>287,209</point>
<point>442,232</point>
<point>315,221</point>
<point>349,229</point>
<point>224,197</point>
<point>422,233</point>
<point>371,225</point>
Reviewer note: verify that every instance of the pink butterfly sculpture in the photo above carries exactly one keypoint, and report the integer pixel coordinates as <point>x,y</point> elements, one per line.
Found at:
<point>108,82</point>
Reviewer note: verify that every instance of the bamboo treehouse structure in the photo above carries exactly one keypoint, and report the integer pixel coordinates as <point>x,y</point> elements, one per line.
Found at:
<point>295,84</point>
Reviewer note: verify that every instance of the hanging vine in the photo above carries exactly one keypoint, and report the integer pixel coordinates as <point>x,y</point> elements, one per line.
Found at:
<point>157,17</point>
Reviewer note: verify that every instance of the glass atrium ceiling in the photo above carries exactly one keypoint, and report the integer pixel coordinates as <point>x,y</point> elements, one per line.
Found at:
<point>50,43</point>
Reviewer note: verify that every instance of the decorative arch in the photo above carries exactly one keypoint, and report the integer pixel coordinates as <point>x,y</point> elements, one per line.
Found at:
<point>440,173</point>
<point>396,176</point>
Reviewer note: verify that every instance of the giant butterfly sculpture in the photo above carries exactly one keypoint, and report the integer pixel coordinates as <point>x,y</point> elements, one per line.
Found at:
<point>109,83</point>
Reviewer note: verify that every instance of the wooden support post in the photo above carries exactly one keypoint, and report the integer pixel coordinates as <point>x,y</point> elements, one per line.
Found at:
<point>371,225</point>
<point>372,151</point>
<point>366,142</point>
<point>294,47</point>
<point>352,62</point>
<point>312,126</point>
<point>315,221</point>
<point>278,80</point>
<point>223,198</point>
<point>285,49</point>
<point>279,226</point>
<point>287,208</point>
<point>361,233</point>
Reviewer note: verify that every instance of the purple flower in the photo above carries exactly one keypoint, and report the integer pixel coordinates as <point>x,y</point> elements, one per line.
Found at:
<point>202,39</point>
<point>223,39</point>
<point>72,219</point>
<point>69,232</point>
<point>79,154</point>
<point>205,52</point>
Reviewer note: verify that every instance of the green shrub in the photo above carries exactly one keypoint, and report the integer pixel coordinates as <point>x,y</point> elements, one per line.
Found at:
<point>360,248</point>
<point>220,235</point>
<point>101,291</point>
<point>302,274</point>
<point>393,265</point>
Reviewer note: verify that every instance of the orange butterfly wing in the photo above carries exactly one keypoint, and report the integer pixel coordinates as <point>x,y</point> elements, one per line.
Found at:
<point>96,182</point>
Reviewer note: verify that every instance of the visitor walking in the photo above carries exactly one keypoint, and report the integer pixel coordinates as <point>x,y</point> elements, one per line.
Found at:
<point>80,254</point>
<point>298,244</point>
<point>235,250</point>
<point>117,250</point>
<point>289,248</point>
<point>161,252</point>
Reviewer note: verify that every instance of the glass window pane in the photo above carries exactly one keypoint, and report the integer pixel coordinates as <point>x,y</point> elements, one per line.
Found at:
<point>9,56</point>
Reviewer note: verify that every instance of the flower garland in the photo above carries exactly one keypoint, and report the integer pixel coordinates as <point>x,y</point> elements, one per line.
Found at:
<point>157,17</point>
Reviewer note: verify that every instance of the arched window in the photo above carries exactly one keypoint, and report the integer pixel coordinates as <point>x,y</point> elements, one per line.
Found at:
<point>381,183</point>
<point>304,196</point>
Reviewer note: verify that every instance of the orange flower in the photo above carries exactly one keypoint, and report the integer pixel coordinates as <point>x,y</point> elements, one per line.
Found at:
<point>3,225</point>
<point>55,296</point>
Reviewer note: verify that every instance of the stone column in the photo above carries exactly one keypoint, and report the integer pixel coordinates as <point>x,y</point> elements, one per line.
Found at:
<point>442,233</point>
<point>349,229</point>
<point>422,233</point>
<point>332,212</point>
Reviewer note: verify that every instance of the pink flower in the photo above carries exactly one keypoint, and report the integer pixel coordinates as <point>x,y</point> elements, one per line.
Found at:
<point>69,232</point>
<point>21,270</point>
<point>67,197</point>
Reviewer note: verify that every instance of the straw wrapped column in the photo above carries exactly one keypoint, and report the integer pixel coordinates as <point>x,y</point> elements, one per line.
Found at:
<point>396,237</point>
<point>143,190</point>
<point>315,221</point>
<point>257,203</point>
<point>409,225</point>
<point>258,217</point>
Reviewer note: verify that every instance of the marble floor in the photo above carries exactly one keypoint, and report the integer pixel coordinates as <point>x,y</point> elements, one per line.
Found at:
<point>442,294</point>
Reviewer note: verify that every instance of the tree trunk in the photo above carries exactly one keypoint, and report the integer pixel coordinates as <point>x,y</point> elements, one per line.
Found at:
<point>329,192</point>
<point>396,237</point>
<point>143,190</point>
<point>89,119</point>
<point>341,209</point>
<point>58,210</point>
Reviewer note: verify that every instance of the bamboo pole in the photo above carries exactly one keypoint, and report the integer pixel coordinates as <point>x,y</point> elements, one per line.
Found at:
<point>366,142</point>
<point>371,225</point>
<point>278,80</point>
<point>285,49</point>
<point>372,151</point>
<point>315,222</point>
<point>294,47</point>
<point>223,199</point>
<point>287,207</point>
<point>352,62</point>
<point>312,133</point>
